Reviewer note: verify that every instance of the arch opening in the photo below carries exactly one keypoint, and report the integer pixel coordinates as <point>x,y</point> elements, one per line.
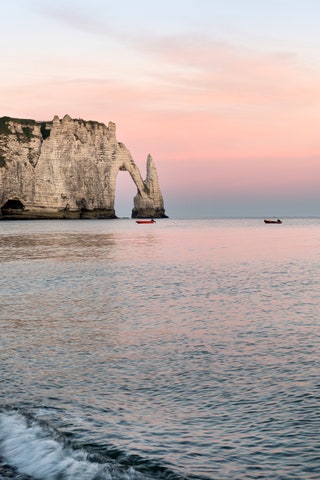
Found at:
<point>125,192</point>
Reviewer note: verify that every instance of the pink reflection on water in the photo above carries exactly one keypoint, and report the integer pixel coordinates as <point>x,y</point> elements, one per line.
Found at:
<point>236,241</point>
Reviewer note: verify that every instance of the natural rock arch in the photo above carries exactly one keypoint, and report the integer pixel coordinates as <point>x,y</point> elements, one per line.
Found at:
<point>68,168</point>
<point>148,200</point>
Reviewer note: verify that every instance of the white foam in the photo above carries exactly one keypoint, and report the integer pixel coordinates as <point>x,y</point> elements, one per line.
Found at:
<point>32,450</point>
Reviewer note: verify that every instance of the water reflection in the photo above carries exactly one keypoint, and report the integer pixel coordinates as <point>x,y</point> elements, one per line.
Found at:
<point>209,241</point>
<point>73,246</point>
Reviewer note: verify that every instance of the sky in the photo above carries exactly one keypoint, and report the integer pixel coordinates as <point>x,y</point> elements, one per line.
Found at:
<point>224,94</point>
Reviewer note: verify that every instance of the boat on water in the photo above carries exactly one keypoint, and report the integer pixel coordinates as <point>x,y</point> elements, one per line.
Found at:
<point>270,220</point>
<point>146,221</point>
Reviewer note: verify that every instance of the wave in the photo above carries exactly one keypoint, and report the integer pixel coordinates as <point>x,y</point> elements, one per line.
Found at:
<point>38,451</point>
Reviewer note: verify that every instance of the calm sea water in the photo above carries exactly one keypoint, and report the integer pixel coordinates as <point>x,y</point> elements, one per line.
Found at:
<point>187,349</point>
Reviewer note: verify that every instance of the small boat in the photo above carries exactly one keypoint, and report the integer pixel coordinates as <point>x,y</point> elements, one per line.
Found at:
<point>145,221</point>
<point>269,220</point>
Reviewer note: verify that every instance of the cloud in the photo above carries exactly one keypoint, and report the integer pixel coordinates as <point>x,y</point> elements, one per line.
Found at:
<point>192,72</point>
<point>219,73</point>
<point>72,15</point>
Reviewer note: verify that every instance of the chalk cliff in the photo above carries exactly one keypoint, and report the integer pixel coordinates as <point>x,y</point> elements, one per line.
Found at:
<point>67,168</point>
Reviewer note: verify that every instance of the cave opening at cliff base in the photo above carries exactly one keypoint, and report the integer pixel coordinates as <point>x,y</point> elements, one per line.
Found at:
<point>13,204</point>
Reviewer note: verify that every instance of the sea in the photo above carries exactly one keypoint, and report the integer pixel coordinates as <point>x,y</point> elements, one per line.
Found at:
<point>184,350</point>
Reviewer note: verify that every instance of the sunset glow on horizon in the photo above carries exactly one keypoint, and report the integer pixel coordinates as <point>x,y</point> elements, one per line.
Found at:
<point>224,95</point>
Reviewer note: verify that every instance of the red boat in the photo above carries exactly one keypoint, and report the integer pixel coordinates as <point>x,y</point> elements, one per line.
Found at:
<point>146,221</point>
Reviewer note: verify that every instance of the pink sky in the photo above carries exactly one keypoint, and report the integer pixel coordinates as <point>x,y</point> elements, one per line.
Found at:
<point>227,103</point>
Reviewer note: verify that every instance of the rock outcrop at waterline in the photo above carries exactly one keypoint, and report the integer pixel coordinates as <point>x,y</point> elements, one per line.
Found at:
<point>68,169</point>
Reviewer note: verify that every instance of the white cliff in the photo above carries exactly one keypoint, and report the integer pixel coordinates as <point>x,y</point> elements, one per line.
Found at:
<point>68,169</point>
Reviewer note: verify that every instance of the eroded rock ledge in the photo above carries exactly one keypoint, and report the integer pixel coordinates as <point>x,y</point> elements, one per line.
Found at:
<point>68,169</point>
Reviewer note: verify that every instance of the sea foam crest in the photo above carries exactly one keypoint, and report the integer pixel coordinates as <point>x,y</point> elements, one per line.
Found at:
<point>31,449</point>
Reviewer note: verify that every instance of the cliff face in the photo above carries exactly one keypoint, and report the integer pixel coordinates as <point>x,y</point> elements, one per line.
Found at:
<point>68,169</point>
